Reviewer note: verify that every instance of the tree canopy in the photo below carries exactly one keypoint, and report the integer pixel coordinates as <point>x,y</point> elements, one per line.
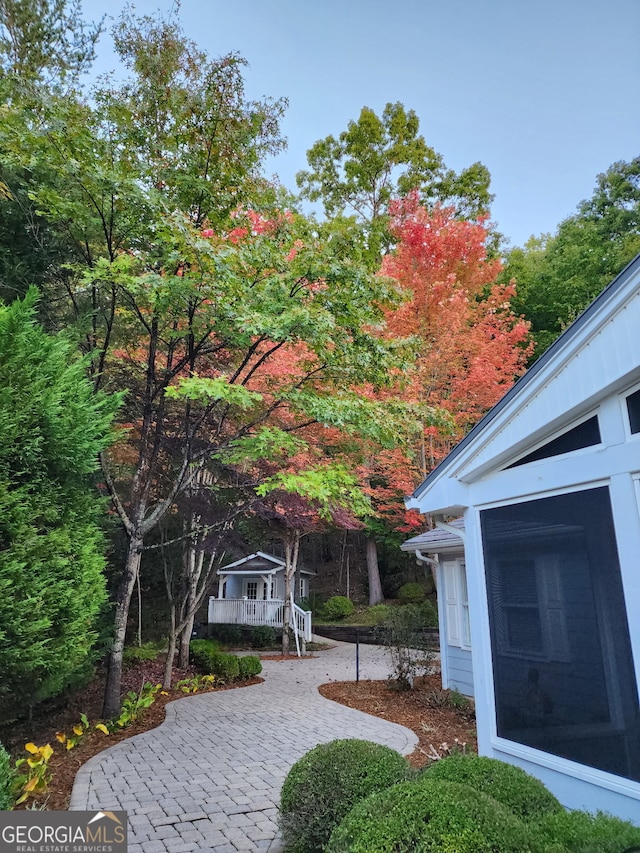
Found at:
<point>559,275</point>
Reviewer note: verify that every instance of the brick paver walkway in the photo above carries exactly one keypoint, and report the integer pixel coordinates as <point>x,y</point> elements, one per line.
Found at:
<point>209,778</point>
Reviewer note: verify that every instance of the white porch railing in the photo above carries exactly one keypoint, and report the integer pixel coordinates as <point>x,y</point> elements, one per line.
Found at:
<point>246,611</point>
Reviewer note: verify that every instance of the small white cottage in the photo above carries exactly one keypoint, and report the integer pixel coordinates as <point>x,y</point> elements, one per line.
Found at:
<point>251,592</point>
<point>548,486</point>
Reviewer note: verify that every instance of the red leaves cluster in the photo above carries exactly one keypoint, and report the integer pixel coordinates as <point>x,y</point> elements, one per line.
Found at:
<point>472,344</point>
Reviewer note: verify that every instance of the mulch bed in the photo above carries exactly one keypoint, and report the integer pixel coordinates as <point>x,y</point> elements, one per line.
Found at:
<point>65,764</point>
<point>427,710</point>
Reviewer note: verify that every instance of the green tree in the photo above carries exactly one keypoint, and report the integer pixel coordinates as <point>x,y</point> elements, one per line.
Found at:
<point>45,41</point>
<point>45,47</point>
<point>377,159</point>
<point>52,428</point>
<point>558,276</point>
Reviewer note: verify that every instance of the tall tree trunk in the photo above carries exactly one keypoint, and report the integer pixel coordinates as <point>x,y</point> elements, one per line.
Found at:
<point>291,551</point>
<point>125,592</point>
<point>171,651</point>
<point>373,572</point>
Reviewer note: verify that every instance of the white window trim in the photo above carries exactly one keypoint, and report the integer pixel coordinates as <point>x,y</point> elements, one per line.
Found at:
<point>456,604</point>
<point>630,436</point>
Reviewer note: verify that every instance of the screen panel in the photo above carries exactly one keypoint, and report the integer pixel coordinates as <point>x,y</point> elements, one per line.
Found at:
<point>561,655</point>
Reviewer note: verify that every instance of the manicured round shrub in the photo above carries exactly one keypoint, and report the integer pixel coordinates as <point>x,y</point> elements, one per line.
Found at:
<point>522,794</point>
<point>580,832</point>
<point>6,781</point>
<point>411,593</point>
<point>225,666</point>
<point>325,784</point>
<point>416,817</point>
<point>210,661</point>
<point>201,652</point>
<point>337,607</point>
<point>250,665</point>
<point>263,636</point>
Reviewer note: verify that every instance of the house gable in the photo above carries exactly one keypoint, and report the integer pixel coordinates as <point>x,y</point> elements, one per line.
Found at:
<point>599,355</point>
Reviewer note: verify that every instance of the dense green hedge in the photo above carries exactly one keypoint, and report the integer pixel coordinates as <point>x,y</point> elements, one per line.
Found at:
<point>422,816</point>
<point>228,667</point>
<point>521,793</point>
<point>6,781</point>
<point>579,832</point>
<point>249,666</point>
<point>262,636</point>
<point>324,784</point>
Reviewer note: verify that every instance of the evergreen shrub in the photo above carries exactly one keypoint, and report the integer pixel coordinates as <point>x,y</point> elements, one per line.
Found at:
<point>522,794</point>
<point>327,782</point>
<point>416,817</point>
<point>136,654</point>
<point>204,655</point>
<point>338,607</point>
<point>6,781</point>
<point>263,636</point>
<point>249,665</point>
<point>580,832</point>
<point>411,593</point>
<point>225,666</point>
<point>229,635</point>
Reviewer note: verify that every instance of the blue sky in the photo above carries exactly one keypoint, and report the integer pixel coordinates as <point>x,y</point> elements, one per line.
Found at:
<point>544,92</point>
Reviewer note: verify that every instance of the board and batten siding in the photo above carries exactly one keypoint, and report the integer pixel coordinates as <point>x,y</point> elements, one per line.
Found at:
<point>455,645</point>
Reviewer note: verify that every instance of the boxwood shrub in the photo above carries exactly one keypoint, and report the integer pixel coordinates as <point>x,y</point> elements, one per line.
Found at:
<point>207,658</point>
<point>338,607</point>
<point>6,781</point>
<point>580,832</point>
<point>521,793</point>
<point>421,816</point>
<point>262,636</point>
<point>324,784</point>
<point>411,593</point>
<point>249,665</point>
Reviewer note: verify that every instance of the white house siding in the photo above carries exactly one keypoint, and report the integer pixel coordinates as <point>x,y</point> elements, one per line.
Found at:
<point>588,372</point>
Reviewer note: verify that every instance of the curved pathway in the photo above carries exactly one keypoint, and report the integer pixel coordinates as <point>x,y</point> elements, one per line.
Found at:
<point>209,778</point>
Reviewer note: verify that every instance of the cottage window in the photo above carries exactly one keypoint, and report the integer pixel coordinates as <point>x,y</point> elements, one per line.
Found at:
<point>563,673</point>
<point>251,590</point>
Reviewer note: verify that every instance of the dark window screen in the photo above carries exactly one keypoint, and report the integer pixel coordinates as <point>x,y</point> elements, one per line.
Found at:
<point>585,434</point>
<point>562,663</point>
<point>633,407</point>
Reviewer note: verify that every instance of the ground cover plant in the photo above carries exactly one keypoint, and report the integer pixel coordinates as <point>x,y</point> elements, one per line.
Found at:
<point>63,764</point>
<point>325,783</point>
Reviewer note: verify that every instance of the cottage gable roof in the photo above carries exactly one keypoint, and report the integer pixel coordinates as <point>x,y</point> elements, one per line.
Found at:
<point>595,356</point>
<point>259,563</point>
